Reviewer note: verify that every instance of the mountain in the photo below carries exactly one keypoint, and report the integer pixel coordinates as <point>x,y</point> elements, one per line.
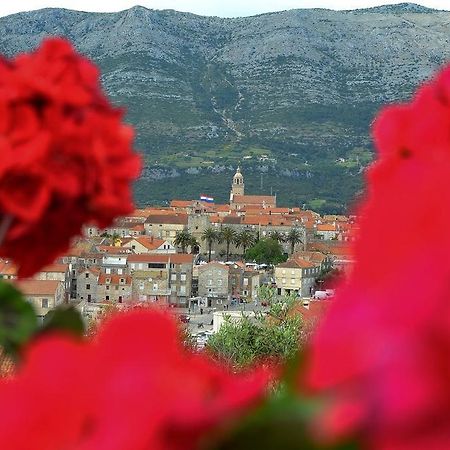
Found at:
<point>291,95</point>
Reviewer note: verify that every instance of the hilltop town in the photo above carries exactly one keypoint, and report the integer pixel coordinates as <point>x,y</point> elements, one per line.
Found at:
<point>190,256</point>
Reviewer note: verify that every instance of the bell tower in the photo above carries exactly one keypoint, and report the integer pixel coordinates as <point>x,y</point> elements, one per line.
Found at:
<point>237,187</point>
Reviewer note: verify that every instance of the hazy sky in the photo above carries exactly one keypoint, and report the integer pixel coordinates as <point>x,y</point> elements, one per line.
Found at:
<point>224,8</point>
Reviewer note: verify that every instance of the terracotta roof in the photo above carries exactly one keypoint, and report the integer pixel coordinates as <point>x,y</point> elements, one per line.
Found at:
<point>317,257</point>
<point>180,203</point>
<point>176,258</point>
<point>213,263</point>
<point>178,219</point>
<point>297,263</point>
<point>265,220</point>
<point>215,219</point>
<point>139,213</point>
<point>113,250</point>
<point>149,242</point>
<point>235,220</point>
<point>114,279</point>
<point>326,227</point>
<point>38,287</point>
<point>222,208</point>
<point>60,268</point>
<point>254,199</point>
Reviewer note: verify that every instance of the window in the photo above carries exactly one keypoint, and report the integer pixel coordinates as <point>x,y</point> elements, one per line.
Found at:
<point>107,288</point>
<point>210,282</point>
<point>120,299</point>
<point>182,290</point>
<point>108,280</point>
<point>173,277</point>
<point>107,297</point>
<point>220,282</point>
<point>245,293</point>
<point>122,280</point>
<point>108,271</point>
<point>155,286</point>
<point>183,277</point>
<point>44,302</point>
<point>88,286</point>
<point>283,280</point>
<point>86,275</point>
<point>292,280</point>
<point>89,298</point>
<point>245,281</point>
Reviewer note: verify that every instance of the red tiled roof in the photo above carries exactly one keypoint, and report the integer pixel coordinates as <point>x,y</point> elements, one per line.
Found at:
<point>178,219</point>
<point>38,287</point>
<point>297,263</point>
<point>213,263</point>
<point>113,250</point>
<point>180,203</point>
<point>326,227</point>
<point>60,268</point>
<point>254,199</point>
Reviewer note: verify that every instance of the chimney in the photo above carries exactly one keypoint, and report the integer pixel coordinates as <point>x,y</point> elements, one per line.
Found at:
<point>305,303</point>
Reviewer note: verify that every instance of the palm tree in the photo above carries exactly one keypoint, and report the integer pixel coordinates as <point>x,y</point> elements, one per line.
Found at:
<point>210,236</point>
<point>227,235</point>
<point>182,239</point>
<point>245,239</point>
<point>277,236</point>
<point>294,237</point>
<point>193,243</point>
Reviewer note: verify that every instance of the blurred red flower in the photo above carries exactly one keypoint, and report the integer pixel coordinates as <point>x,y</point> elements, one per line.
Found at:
<point>67,158</point>
<point>383,350</point>
<point>133,387</point>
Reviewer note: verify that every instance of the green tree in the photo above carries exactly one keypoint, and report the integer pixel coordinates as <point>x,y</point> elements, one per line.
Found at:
<point>210,236</point>
<point>278,236</point>
<point>272,336</point>
<point>227,235</point>
<point>183,240</point>
<point>294,237</point>
<point>194,244</point>
<point>245,239</point>
<point>266,251</point>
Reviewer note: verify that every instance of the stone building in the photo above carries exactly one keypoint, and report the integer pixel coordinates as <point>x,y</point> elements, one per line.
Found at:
<point>296,276</point>
<point>44,295</point>
<point>114,288</point>
<point>86,284</point>
<point>162,278</point>
<point>238,199</point>
<point>213,283</point>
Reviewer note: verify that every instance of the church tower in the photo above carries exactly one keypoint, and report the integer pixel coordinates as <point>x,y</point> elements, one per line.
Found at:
<point>237,188</point>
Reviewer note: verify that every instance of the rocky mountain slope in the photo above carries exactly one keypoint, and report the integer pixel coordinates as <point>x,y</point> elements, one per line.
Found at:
<point>291,95</point>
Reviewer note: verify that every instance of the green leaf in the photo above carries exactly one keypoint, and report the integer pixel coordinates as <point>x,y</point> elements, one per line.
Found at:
<point>64,318</point>
<point>18,321</point>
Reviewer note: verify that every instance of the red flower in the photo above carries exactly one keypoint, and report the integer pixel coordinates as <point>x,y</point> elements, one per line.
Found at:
<point>133,387</point>
<point>384,348</point>
<point>67,157</point>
